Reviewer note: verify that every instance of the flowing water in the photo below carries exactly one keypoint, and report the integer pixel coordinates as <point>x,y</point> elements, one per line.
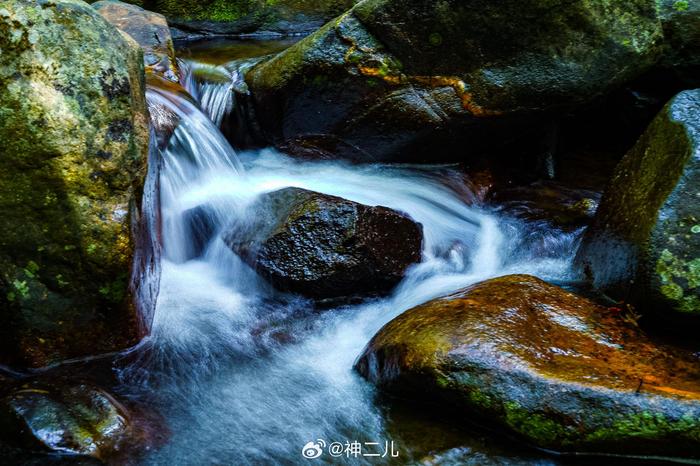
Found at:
<point>243,374</point>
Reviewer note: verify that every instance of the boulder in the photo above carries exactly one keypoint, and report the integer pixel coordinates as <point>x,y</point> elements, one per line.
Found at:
<point>73,161</point>
<point>417,80</point>
<point>644,243</point>
<point>198,18</point>
<point>681,24</point>
<point>150,30</point>
<point>200,226</point>
<point>550,367</point>
<point>79,419</point>
<point>324,246</point>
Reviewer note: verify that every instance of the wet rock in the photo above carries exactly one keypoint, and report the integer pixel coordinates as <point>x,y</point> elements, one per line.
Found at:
<point>163,119</point>
<point>200,226</point>
<point>644,243</point>
<point>324,246</point>
<point>150,30</point>
<point>74,127</point>
<point>72,420</point>
<point>424,81</point>
<point>552,368</point>
<point>548,201</point>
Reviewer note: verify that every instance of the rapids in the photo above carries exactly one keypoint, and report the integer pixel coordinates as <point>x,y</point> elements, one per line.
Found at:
<point>243,374</point>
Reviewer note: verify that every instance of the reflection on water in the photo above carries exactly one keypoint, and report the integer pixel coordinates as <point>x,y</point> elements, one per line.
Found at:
<point>220,51</point>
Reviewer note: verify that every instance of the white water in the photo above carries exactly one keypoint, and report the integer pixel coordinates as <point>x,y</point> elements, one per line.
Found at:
<point>245,375</point>
<point>212,86</point>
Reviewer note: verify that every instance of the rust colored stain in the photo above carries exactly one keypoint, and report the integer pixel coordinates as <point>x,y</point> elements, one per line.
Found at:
<point>544,329</point>
<point>398,78</point>
<point>460,89</point>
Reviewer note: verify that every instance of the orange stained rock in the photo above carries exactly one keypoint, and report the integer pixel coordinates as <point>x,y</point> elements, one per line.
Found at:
<point>397,78</point>
<point>531,325</point>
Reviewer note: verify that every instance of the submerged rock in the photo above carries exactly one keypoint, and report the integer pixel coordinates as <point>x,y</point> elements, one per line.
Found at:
<point>548,201</point>
<point>74,420</point>
<point>150,30</point>
<point>417,80</point>
<point>644,243</point>
<point>73,159</point>
<point>324,246</point>
<point>553,368</point>
<point>200,226</point>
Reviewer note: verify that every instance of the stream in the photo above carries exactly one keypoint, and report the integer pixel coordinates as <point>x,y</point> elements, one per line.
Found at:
<point>244,374</point>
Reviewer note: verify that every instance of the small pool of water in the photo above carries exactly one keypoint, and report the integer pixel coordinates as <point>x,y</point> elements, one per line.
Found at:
<point>224,50</point>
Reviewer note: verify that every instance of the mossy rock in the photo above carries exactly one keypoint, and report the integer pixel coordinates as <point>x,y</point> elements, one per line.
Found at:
<point>681,23</point>
<point>550,367</point>
<point>247,16</point>
<point>324,246</point>
<point>644,243</point>
<point>416,80</point>
<point>74,126</point>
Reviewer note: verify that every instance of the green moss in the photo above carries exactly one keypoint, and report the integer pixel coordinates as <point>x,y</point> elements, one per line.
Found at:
<point>672,291</point>
<point>648,426</point>
<point>263,11</point>
<point>681,5</point>
<point>21,287</point>
<point>480,399</point>
<point>435,39</point>
<point>115,291</point>
<point>539,428</point>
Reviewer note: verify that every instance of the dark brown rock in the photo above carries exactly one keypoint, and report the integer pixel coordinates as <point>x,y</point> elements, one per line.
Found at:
<point>324,246</point>
<point>417,80</point>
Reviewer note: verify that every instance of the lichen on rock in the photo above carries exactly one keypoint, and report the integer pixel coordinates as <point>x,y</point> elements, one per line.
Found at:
<point>642,244</point>
<point>74,127</point>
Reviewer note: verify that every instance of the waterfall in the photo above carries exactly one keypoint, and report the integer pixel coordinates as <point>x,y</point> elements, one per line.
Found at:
<point>196,150</point>
<point>247,375</point>
<point>212,86</point>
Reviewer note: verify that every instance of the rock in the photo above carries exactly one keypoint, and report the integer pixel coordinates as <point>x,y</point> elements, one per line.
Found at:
<point>149,29</point>
<point>200,227</point>
<point>681,24</point>
<point>644,242</point>
<point>548,201</point>
<point>325,247</point>
<point>164,119</point>
<point>415,80</point>
<point>74,127</point>
<point>194,18</point>
<point>72,420</point>
<point>552,368</point>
